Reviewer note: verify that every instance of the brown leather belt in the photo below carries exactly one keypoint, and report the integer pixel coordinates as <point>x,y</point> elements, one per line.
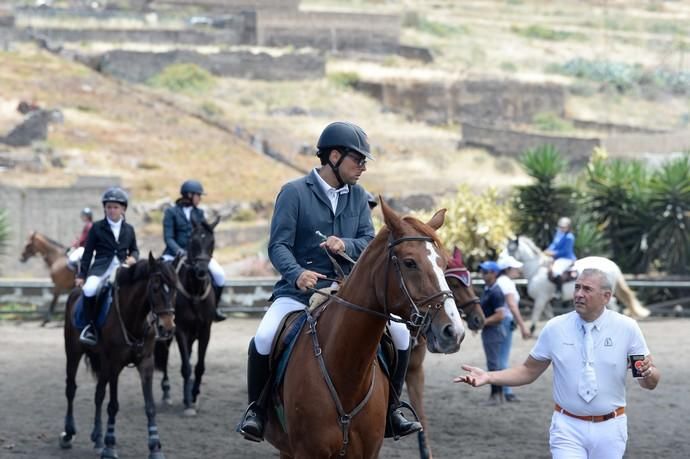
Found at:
<point>604,417</point>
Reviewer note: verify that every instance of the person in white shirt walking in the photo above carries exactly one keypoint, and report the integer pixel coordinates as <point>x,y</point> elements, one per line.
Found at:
<point>589,348</point>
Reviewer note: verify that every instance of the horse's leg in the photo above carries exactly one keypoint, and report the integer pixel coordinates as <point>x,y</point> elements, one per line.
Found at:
<point>200,367</point>
<point>415,389</point>
<point>97,432</point>
<point>161,354</point>
<point>146,375</point>
<point>184,344</point>
<point>49,314</point>
<point>74,354</point>
<point>110,451</point>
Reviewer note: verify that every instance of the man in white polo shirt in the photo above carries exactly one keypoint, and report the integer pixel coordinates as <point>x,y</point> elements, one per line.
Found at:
<point>589,348</point>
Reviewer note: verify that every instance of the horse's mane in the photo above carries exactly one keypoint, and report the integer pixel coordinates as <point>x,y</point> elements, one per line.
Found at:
<point>530,243</point>
<point>50,240</point>
<point>140,271</point>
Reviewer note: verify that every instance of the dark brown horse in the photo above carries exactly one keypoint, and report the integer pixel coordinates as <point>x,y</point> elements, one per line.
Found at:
<point>194,312</point>
<point>335,394</point>
<point>141,312</point>
<point>53,254</point>
<point>460,283</point>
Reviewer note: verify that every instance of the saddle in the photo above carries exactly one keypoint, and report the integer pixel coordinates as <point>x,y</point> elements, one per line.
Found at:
<point>104,301</point>
<point>568,275</point>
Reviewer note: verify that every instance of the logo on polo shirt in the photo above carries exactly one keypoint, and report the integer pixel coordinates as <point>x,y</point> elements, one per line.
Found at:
<point>608,342</point>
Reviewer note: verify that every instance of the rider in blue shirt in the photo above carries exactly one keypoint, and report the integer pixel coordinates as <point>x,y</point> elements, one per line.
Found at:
<point>562,249</point>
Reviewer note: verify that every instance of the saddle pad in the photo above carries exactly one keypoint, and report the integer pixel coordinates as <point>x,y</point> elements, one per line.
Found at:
<point>287,342</point>
<point>79,316</point>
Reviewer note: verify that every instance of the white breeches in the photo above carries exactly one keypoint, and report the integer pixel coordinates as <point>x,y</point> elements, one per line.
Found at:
<point>265,333</point>
<point>74,256</point>
<point>571,438</point>
<point>560,265</point>
<point>217,271</point>
<point>94,283</point>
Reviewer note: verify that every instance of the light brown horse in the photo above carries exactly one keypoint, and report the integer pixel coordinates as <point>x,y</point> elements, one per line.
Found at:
<point>53,254</point>
<point>460,283</point>
<point>335,394</point>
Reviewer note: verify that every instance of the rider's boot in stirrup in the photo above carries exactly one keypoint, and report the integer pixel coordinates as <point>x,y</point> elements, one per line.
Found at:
<point>253,421</point>
<point>400,426</point>
<point>89,335</point>
<point>217,315</point>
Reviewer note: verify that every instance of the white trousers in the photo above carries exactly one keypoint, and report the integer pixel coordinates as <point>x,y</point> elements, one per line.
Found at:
<point>265,333</point>
<point>94,283</point>
<point>571,438</point>
<point>217,271</point>
<point>560,265</point>
<point>74,256</point>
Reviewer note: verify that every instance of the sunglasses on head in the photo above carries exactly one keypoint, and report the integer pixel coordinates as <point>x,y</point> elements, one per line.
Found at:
<point>461,274</point>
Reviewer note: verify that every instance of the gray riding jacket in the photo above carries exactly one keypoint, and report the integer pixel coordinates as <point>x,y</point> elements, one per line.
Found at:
<point>301,209</point>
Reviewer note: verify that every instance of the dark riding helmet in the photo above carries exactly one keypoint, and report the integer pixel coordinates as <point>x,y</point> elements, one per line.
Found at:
<point>371,199</point>
<point>344,135</point>
<point>86,212</point>
<point>115,194</point>
<point>191,186</point>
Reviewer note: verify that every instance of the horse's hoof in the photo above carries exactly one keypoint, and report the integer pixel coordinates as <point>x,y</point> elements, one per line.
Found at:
<point>109,453</point>
<point>65,440</point>
<point>157,455</point>
<point>190,412</point>
<point>167,401</point>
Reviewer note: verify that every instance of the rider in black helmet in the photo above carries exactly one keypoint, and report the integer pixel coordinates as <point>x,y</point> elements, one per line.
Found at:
<point>328,195</point>
<point>177,228</point>
<point>114,242</point>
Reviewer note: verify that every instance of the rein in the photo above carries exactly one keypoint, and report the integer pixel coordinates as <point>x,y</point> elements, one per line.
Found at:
<point>183,291</point>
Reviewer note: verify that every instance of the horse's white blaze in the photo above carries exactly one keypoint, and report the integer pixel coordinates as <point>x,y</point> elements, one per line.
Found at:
<point>449,303</point>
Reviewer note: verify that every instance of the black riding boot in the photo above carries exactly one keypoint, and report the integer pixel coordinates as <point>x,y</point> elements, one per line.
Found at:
<point>558,280</point>
<point>89,335</point>
<point>252,424</point>
<point>218,316</point>
<point>399,425</point>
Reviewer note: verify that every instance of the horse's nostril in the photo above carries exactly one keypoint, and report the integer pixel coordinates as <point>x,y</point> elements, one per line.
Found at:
<point>449,331</point>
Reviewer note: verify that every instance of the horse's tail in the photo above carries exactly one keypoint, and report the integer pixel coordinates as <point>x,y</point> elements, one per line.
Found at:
<point>93,363</point>
<point>160,354</point>
<point>625,293</point>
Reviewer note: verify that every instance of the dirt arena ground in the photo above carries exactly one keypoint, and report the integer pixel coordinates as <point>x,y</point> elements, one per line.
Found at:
<point>33,403</point>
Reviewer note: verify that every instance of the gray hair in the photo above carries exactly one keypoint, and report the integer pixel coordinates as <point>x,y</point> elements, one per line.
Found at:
<point>605,278</point>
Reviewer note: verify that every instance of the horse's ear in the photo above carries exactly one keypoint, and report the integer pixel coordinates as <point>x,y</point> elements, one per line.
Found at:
<point>437,220</point>
<point>457,254</point>
<point>215,222</point>
<point>152,259</point>
<point>390,218</point>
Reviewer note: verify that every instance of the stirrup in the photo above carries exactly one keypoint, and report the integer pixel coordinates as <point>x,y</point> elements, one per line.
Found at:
<point>88,335</point>
<point>415,425</point>
<point>253,410</point>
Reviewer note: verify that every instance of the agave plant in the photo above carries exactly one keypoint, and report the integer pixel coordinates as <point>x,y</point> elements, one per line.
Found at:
<point>537,207</point>
<point>669,203</point>
<point>618,204</point>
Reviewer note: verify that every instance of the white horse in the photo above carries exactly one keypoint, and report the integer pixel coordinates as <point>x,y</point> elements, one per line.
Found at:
<point>536,269</point>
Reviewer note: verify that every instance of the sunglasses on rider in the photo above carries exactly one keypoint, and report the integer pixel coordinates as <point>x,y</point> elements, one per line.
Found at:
<point>359,159</point>
<point>461,274</point>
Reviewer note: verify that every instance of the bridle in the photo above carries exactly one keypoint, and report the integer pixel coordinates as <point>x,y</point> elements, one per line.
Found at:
<point>462,273</point>
<point>168,300</point>
<point>420,317</point>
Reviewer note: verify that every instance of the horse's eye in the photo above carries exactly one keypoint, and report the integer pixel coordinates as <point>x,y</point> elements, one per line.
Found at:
<point>410,263</point>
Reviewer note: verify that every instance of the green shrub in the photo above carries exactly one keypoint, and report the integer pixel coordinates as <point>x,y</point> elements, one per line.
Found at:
<point>550,122</point>
<point>344,79</point>
<point>187,78</point>
<point>546,33</point>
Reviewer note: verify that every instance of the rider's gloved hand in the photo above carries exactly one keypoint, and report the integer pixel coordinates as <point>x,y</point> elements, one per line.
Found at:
<point>181,252</point>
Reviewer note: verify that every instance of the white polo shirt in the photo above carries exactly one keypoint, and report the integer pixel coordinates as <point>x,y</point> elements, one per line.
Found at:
<point>615,337</point>
<point>507,286</point>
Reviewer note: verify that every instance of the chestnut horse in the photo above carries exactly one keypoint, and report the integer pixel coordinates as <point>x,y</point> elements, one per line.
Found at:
<point>334,392</point>
<point>460,282</point>
<point>141,312</point>
<point>53,254</point>
<point>194,311</point>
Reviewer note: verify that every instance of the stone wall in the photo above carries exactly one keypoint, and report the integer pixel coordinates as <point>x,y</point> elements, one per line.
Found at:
<point>636,144</point>
<point>232,5</point>
<point>140,66</point>
<point>513,143</point>
<point>52,211</point>
<point>373,33</point>
<point>486,102</point>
